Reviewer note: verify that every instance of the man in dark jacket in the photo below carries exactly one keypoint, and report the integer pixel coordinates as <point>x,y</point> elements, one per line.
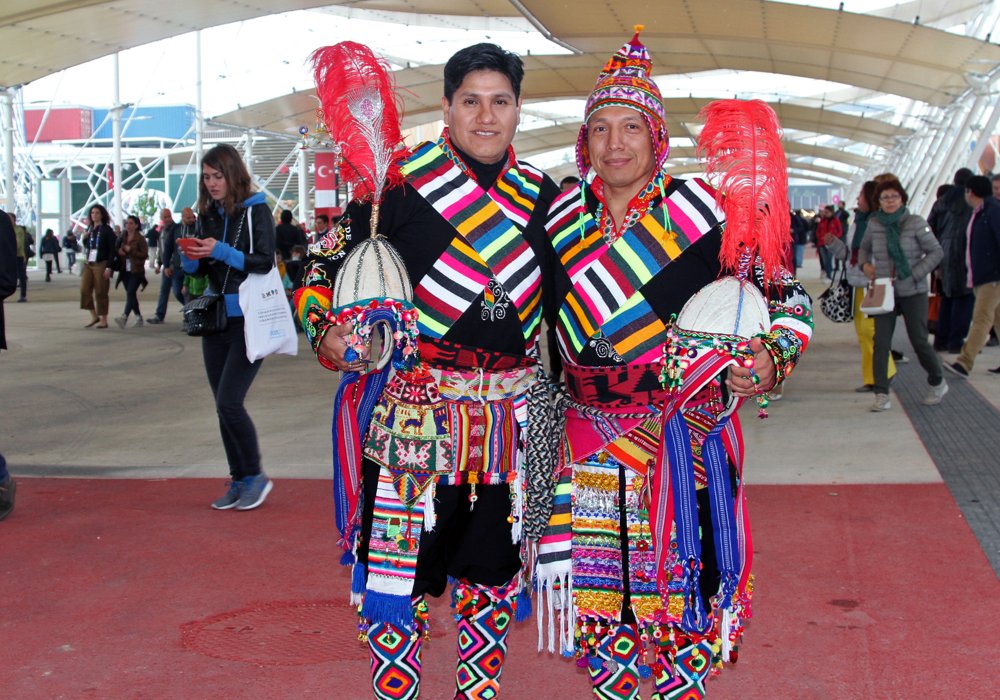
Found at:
<point>984,270</point>
<point>168,257</point>
<point>288,235</point>
<point>949,219</point>
<point>9,262</point>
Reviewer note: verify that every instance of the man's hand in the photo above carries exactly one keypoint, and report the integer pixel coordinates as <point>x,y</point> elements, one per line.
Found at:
<point>333,347</point>
<point>169,272</point>
<point>740,382</point>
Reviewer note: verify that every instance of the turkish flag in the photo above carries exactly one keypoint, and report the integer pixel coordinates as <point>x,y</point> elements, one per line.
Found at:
<point>326,171</point>
<point>110,173</point>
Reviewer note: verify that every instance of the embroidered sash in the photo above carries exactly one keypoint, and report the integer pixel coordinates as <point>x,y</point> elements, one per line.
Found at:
<point>605,300</point>
<point>488,247</point>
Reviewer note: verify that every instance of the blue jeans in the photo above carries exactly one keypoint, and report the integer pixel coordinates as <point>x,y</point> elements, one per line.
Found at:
<point>166,284</point>
<point>230,375</point>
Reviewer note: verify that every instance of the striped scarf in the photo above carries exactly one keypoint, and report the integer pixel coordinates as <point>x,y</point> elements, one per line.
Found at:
<point>489,255</point>
<point>606,298</point>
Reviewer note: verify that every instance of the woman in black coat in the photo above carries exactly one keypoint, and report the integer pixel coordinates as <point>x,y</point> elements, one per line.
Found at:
<point>231,215</point>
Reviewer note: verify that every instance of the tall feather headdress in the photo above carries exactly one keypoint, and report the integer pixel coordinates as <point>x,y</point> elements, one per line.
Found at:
<point>361,112</point>
<point>744,160</point>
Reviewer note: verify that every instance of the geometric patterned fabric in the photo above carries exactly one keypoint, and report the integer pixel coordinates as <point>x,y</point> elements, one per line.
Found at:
<point>614,671</point>
<point>484,615</point>
<point>395,656</point>
<point>692,664</point>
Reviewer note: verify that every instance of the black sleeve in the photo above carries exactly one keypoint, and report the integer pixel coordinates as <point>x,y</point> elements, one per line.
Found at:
<point>8,257</point>
<point>262,258</point>
<point>169,240</point>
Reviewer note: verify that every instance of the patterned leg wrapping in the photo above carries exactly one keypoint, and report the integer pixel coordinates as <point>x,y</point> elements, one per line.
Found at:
<point>692,664</point>
<point>396,666</point>
<point>484,615</point>
<point>614,671</point>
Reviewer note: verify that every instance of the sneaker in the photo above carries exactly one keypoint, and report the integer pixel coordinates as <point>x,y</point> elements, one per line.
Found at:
<point>255,490</point>
<point>899,358</point>
<point>231,497</point>
<point>936,393</point>
<point>864,388</point>
<point>121,320</point>
<point>956,368</point>
<point>138,323</point>
<point>995,370</point>
<point>7,497</point>
<point>881,403</point>
<point>155,321</point>
<point>776,394</point>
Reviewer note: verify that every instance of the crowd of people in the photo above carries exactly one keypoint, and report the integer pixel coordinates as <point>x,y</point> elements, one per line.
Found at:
<point>952,257</point>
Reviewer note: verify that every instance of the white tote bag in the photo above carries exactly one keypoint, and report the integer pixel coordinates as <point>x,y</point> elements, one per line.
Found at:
<point>268,327</point>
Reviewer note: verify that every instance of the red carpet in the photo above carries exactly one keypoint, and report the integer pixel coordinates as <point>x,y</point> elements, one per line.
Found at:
<point>137,589</point>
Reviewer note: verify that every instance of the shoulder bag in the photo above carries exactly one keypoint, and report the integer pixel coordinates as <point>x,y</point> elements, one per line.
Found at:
<point>267,318</point>
<point>206,315</point>
<point>837,302</point>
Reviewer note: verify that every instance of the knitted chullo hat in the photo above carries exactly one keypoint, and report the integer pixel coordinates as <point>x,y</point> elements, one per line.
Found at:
<point>625,82</point>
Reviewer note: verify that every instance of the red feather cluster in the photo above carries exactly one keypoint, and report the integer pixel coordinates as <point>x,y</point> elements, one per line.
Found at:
<point>343,73</point>
<point>744,160</point>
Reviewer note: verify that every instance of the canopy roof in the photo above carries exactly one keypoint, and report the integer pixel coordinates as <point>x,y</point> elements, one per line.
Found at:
<point>44,36</point>
<point>872,53</point>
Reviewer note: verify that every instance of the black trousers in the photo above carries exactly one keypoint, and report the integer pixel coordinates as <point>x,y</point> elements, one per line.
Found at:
<point>467,543</point>
<point>22,276</point>
<point>230,375</point>
<point>132,282</point>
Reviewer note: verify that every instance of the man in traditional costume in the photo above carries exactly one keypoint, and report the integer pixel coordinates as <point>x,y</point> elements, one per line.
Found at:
<point>644,569</point>
<point>441,451</point>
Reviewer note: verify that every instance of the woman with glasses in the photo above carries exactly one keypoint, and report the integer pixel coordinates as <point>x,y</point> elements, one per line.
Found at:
<point>899,244</point>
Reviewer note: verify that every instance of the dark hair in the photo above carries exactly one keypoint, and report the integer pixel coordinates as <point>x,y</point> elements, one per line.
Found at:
<point>324,217</point>
<point>995,178</point>
<point>942,190</point>
<point>569,180</point>
<point>830,208</point>
<point>482,57</point>
<point>868,194</point>
<point>239,186</point>
<point>892,184</point>
<point>49,232</point>
<point>962,176</point>
<point>105,216</point>
<point>286,216</point>
<point>138,222</point>
<point>980,186</point>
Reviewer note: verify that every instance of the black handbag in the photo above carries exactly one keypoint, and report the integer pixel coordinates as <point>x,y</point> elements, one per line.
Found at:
<point>837,302</point>
<point>205,315</point>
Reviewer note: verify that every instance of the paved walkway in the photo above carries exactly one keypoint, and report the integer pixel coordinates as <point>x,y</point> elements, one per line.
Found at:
<point>117,580</point>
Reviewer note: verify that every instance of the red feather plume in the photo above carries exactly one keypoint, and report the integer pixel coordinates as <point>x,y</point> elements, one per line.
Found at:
<point>744,160</point>
<point>361,111</point>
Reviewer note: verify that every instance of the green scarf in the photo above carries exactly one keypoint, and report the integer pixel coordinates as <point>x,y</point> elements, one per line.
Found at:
<point>891,223</point>
<point>860,226</point>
